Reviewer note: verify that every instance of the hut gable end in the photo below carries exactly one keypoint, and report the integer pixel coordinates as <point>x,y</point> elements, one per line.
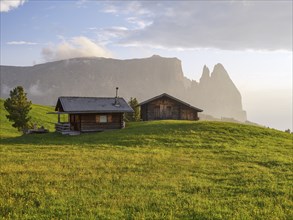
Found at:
<point>166,106</point>
<point>59,106</point>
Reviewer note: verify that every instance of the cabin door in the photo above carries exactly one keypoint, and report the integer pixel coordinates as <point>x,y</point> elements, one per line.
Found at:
<point>157,114</point>
<point>75,122</point>
<point>165,112</point>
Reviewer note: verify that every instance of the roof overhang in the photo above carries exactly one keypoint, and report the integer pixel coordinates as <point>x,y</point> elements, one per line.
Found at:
<point>56,113</point>
<point>88,105</point>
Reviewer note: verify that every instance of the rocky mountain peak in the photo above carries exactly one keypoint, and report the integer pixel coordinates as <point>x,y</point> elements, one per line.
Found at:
<point>205,75</point>
<point>219,72</point>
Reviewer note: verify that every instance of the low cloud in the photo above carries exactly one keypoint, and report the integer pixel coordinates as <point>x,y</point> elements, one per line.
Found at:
<point>21,43</point>
<point>36,90</point>
<point>5,90</point>
<point>76,47</point>
<point>7,5</point>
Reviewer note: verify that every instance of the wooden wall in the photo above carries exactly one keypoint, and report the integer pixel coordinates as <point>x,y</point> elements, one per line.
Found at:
<point>90,122</point>
<point>166,108</point>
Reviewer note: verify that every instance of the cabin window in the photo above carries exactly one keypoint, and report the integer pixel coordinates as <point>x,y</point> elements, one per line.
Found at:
<point>103,118</point>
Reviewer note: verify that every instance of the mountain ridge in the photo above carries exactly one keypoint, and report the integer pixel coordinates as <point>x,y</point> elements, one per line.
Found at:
<point>142,78</point>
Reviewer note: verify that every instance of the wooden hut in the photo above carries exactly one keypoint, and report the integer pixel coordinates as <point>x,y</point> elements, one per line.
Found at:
<point>87,114</point>
<point>164,107</point>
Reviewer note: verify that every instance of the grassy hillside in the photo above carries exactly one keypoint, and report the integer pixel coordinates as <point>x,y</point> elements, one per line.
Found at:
<point>39,116</point>
<point>150,170</point>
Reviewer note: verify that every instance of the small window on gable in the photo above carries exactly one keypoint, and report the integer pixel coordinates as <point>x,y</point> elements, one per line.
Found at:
<point>103,118</point>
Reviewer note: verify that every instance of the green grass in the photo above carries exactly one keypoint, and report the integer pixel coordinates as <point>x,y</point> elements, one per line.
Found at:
<point>150,170</point>
<point>39,116</point>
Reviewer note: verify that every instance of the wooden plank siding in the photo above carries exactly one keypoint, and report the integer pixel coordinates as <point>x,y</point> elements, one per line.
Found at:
<point>91,122</point>
<point>166,108</point>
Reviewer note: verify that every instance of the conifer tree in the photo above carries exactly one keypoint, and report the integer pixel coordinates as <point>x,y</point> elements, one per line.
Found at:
<point>136,115</point>
<point>18,108</point>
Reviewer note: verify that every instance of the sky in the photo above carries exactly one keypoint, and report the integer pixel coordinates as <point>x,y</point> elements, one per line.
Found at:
<point>252,39</point>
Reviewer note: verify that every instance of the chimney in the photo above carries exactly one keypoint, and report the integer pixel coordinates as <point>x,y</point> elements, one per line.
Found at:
<point>116,103</point>
<point>117,92</point>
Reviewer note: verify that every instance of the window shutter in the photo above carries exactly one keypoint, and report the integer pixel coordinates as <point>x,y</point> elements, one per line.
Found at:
<point>109,118</point>
<point>97,119</point>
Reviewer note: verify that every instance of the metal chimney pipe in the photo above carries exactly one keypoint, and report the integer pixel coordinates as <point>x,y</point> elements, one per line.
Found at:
<point>117,92</point>
<point>116,103</point>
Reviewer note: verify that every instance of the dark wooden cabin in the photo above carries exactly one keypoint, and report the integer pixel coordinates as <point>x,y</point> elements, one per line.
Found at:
<point>164,107</point>
<point>87,114</point>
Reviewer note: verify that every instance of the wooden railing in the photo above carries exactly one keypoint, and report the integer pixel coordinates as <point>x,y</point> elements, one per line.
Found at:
<point>62,127</point>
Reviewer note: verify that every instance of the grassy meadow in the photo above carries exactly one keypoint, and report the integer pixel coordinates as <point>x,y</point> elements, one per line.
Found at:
<point>149,170</point>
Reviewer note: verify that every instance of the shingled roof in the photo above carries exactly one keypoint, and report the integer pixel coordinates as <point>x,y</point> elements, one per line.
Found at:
<point>170,97</point>
<point>92,105</point>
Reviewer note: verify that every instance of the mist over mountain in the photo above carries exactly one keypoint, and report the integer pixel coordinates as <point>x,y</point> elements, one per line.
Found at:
<point>215,92</point>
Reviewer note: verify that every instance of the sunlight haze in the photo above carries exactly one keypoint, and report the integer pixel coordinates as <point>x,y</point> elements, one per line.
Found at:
<point>252,39</point>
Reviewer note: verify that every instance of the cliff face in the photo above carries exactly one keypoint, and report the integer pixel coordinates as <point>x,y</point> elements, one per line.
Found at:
<point>216,94</point>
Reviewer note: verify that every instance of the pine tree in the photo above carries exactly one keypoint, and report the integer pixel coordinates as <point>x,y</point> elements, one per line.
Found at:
<point>136,115</point>
<point>18,108</point>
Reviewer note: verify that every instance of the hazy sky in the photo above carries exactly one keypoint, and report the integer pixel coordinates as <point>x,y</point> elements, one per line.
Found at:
<point>252,39</point>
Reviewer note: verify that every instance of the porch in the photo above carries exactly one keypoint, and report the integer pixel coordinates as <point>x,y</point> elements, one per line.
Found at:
<point>64,128</point>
